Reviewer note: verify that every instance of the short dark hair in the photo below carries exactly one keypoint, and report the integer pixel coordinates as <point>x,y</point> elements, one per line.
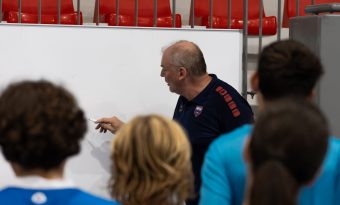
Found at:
<point>287,68</point>
<point>40,124</point>
<point>287,146</point>
<point>189,55</point>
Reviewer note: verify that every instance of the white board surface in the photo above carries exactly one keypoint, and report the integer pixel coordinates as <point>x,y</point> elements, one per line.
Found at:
<point>111,71</point>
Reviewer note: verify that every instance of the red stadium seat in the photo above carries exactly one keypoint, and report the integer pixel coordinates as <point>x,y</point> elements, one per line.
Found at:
<point>49,11</point>
<point>290,8</point>
<point>220,16</point>
<point>126,14</point>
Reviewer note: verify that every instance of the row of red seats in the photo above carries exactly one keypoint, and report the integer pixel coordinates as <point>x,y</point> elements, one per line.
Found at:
<point>49,10</point>
<point>126,14</point>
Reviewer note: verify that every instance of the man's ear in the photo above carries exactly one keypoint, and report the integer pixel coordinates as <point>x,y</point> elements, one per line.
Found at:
<point>254,81</point>
<point>183,72</point>
<point>246,151</point>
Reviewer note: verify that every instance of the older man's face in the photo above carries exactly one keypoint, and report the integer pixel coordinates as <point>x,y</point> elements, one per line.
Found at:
<point>170,73</point>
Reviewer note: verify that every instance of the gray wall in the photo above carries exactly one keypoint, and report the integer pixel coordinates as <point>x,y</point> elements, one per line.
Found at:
<point>321,34</point>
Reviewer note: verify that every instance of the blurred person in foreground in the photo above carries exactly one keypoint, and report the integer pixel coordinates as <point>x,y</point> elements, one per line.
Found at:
<point>151,163</point>
<point>285,69</point>
<point>41,126</point>
<point>287,146</point>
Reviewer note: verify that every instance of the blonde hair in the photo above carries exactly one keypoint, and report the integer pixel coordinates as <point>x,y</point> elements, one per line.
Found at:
<point>151,163</point>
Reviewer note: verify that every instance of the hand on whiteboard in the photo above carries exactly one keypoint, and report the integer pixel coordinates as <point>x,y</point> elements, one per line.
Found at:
<point>112,124</point>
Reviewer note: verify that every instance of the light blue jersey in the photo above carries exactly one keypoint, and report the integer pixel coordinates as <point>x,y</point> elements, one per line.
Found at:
<point>224,173</point>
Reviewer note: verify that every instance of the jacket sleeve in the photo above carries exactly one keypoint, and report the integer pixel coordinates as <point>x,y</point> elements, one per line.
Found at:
<point>215,187</point>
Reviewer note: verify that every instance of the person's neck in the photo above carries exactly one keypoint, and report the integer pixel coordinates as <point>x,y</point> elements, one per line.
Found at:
<point>196,85</point>
<point>55,173</point>
<point>264,103</point>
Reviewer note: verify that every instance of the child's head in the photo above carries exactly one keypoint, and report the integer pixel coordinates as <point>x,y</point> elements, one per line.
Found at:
<point>286,149</point>
<point>151,162</point>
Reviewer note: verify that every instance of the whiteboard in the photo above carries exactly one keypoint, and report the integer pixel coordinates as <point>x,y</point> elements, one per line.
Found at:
<point>111,71</point>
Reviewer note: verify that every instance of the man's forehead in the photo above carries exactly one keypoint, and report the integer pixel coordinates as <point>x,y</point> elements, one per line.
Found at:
<point>165,55</point>
<point>164,60</point>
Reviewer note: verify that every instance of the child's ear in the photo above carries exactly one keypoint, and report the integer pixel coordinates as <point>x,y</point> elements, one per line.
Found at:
<point>254,81</point>
<point>246,151</point>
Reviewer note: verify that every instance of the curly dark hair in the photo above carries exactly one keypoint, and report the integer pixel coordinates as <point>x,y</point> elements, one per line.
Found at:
<point>40,125</point>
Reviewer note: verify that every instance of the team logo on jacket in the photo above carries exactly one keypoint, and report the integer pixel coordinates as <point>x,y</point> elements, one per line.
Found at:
<point>39,198</point>
<point>198,110</point>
